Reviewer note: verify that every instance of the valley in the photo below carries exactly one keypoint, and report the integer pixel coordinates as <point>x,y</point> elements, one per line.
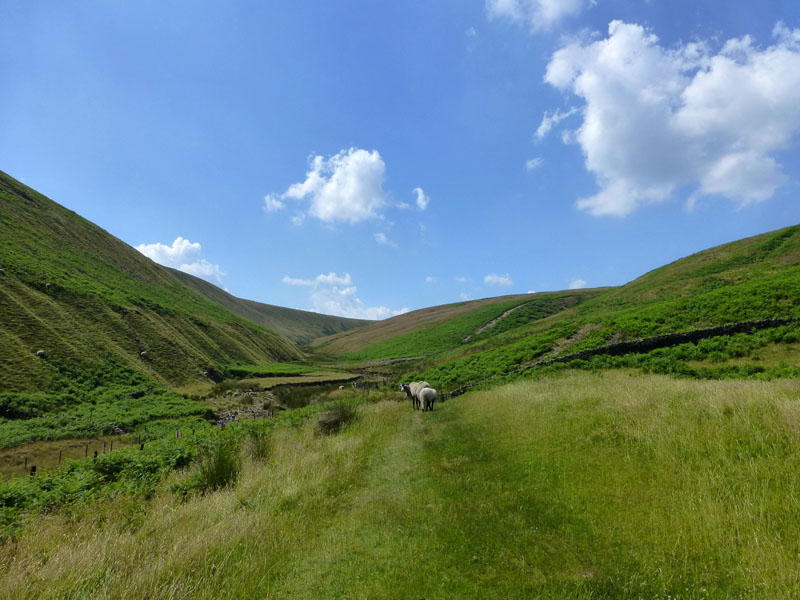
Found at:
<point>638,441</point>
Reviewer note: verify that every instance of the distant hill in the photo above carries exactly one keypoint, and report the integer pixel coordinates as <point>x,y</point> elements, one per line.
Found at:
<point>300,326</point>
<point>88,300</point>
<point>460,319</point>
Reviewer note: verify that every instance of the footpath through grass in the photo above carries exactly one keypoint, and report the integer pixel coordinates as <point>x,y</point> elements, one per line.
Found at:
<point>584,486</point>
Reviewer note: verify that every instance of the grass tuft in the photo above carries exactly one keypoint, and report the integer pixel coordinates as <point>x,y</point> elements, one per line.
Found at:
<point>218,465</point>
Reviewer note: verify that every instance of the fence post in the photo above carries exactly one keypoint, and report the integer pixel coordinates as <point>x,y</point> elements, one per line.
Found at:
<point>59,456</point>
<point>86,452</point>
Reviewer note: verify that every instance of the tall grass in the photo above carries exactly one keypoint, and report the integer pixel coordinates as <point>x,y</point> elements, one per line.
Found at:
<point>583,486</point>
<point>217,466</point>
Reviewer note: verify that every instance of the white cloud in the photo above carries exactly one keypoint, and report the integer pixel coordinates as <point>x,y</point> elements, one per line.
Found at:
<point>384,241</point>
<point>422,199</point>
<point>272,203</point>
<point>329,279</point>
<point>471,32</point>
<point>430,279</point>
<point>333,294</point>
<point>533,163</point>
<point>550,120</point>
<point>348,186</point>
<point>657,119</point>
<point>577,284</point>
<point>463,279</point>
<point>538,14</point>
<point>494,279</point>
<point>464,296</point>
<point>531,291</point>
<point>184,256</point>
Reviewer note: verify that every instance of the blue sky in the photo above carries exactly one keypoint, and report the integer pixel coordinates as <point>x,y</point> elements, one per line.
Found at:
<point>363,158</point>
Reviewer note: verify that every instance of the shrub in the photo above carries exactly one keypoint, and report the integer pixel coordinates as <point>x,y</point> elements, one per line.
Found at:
<point>218,466</point>
<point>258,444</point>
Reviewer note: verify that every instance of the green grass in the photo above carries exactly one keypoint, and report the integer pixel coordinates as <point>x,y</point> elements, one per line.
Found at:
<point>756,278</point>
<point>85,298</point>
<point>90,402</point>
<point>451,334</point>
<point>580,486</point>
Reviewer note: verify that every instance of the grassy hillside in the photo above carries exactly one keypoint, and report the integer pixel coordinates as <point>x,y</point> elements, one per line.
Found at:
<point>579,487</point>
<point>754,278</point>
<point>300,326</point>
<point>395,337</point>
<point>86,298</point>
<point>92,304</point>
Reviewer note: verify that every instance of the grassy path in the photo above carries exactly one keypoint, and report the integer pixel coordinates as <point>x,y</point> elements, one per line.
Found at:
<point>584,487</point>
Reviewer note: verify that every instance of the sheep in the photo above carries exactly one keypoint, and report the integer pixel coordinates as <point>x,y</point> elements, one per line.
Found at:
<point>143,354</point>
<point>426,397</point>
<point>412,391</point>
<point>40,353</point>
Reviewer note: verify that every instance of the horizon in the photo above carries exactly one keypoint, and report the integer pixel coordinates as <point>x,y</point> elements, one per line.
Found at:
<point>435,154</point>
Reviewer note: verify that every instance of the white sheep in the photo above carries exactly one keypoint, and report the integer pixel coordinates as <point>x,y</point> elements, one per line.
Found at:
<point>426,398</point>
<point>413,389</point>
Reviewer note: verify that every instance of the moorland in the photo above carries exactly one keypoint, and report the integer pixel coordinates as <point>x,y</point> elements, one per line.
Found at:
<point>670,473</point>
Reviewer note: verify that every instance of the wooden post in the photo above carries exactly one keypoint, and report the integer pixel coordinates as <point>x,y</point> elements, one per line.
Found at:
<point>33,470</point>
<point>104,447</point>
<point>112,447</point>
<point>26,463</point>
<point>86,452</point>
<point>59,456</point>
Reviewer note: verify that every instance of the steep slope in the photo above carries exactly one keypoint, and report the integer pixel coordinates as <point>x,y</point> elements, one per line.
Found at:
<point>88,300</point>
<point>300,326</point>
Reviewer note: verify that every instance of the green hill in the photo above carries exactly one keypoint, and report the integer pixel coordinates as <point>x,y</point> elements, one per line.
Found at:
<point>300,326</point>
<point>750,279</point>
<point>86,299</point>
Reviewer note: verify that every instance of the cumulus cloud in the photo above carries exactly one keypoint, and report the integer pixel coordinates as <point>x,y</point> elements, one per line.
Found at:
<point>537,14</point>
<point>495,279</point>
<point>533,164</point>
<point>658,119</point>
<point>577,284</point>
<point>184,256</point>
<point>422,199</point>
<point>348,187</point>
<point>333,294</point>
<point>463,279</point>
<point>385,241</point>
<point>430,279</point>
